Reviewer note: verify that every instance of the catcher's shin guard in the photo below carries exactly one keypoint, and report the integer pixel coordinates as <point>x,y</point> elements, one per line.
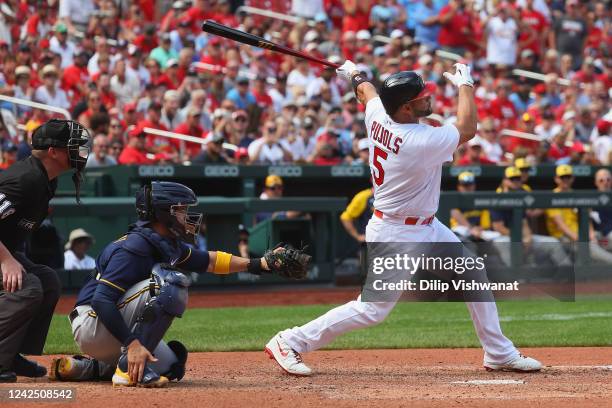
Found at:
<point>166,304</point>
<point>78,368</point>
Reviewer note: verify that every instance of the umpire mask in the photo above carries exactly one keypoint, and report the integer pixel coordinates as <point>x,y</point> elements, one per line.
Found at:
<point>70,135</point>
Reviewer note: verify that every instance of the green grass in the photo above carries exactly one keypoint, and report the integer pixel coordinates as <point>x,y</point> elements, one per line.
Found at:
<point>410,325</point>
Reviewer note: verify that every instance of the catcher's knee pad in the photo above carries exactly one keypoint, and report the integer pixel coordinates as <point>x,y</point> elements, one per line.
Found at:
<point>177,370</point>
<point>169,300</point>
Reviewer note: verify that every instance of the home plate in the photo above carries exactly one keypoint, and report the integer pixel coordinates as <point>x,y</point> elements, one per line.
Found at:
<point>489,382</point>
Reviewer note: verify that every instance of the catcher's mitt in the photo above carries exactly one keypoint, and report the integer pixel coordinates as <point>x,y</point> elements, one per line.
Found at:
<point>288,262</point>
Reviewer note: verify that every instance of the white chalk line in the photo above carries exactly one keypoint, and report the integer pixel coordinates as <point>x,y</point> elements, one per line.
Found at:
<point>490,382</point>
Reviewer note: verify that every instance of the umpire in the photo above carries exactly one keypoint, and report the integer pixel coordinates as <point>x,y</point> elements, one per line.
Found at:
<point>29,292</point>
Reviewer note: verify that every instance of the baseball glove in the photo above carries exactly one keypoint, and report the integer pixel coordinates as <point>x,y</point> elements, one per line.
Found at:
<point>288,262</point>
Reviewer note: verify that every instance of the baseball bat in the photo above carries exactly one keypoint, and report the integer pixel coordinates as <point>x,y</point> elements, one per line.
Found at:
<point>221,30</point>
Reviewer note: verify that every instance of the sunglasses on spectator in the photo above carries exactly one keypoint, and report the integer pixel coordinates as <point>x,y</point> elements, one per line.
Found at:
<point>604,180</point>
<point>115,125</point>
<point>524,170</point>
<point>514,179</point>
<point>271,129</point>
<point>565,178</point>
<point>240,119</point>
<point>276,187</point>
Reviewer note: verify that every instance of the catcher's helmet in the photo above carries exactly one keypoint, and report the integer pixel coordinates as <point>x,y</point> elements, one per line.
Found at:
<point>403,87</point>
<point>168,203</point>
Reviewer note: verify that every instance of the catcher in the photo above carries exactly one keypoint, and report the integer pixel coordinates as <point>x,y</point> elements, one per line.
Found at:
<point>122,315</point>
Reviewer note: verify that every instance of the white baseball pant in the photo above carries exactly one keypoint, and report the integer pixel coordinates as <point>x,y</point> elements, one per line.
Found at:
<point>357,314</point>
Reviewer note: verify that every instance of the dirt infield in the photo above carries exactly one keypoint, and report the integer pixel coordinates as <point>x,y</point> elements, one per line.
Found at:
<point>416,378</point>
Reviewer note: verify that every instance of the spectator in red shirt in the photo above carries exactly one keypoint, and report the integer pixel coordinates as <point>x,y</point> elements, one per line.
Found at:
<point>135,152</point>
<point>534,41</point>
<point>147,41</point>
<point>94,105</point>
<point>39,24</point>
<point>223,14</point>
<point>214,55</point>
<point>474,154</point>
<point>191,127</point>
<point>173,16</point>
<point>454,30</point>
<point>200,11</point>
<point>76,77</point>
<point>153,120</point>
<point>356,15</point>
<point>586,74</point>
<point>264,101</point>
<point>559,150</point>
<point>170,78</point>
<point>502,108</point>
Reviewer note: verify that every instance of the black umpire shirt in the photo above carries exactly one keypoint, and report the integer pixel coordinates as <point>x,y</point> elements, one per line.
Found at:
<point>25,192</point>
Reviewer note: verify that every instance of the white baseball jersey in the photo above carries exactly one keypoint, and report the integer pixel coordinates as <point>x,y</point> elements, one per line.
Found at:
<point>406,162</point>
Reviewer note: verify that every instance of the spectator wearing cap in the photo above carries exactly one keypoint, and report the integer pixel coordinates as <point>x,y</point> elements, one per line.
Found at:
<point>214,54</point>
<point>470,224</point>
<point>100,157</point>
<point>490,141</point>
<point>191,127</point>
<point>260,92</point>
<point>181,36</point>
<point>76,77</point>
<point>602,216</point>
<point>22,88</point>
<point>279,94</point>
<point>569,32</point>
<point>135,66</point>
<point>49,92</point>
<point>273,189</point>
<point>267,149</point>
<point>362,152</point>
<point>560,149</point>
<point>454,27</point>
<point>213,152</point>
<point>545,248</point>
<point>75,257</point>
<point>135,151</point>
<point>94,107</point>
<point>164,52</point>
<point>241,96</point>
<point>426,68</point>
<point>155,143</point>
<point>602,142</point>
<point>585,124</point>
<point>240,124</point>
<point>427,23</point>
<point>474,155</point>
<point>521,98</point>
<point>170,79</point>
<point>60,44</point>
<point>562,223</point>
<point>9,154</point>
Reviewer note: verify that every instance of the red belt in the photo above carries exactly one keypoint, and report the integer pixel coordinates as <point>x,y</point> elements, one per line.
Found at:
<point>409,220</point>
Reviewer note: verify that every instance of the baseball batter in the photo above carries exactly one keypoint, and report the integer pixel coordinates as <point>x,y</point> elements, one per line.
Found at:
<point>406,162</point>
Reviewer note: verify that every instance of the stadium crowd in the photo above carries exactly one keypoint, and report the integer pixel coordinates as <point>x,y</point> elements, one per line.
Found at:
<point>120,66</point>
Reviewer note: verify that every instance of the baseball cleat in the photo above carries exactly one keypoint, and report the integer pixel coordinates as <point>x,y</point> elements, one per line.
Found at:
<point>150,378</point>
<point>520,364</point>
<point>286,357</point>
<point>74,368</point>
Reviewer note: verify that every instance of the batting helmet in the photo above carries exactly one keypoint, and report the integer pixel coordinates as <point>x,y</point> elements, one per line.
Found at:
<point>403,87</point>
<point>168,202</point>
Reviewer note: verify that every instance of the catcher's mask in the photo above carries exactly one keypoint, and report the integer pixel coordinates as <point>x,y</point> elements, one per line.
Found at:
<point>168,203</point>
<point>70,135</point>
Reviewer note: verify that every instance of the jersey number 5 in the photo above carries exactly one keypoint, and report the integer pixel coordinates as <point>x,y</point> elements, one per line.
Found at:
<point>379,154</point>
